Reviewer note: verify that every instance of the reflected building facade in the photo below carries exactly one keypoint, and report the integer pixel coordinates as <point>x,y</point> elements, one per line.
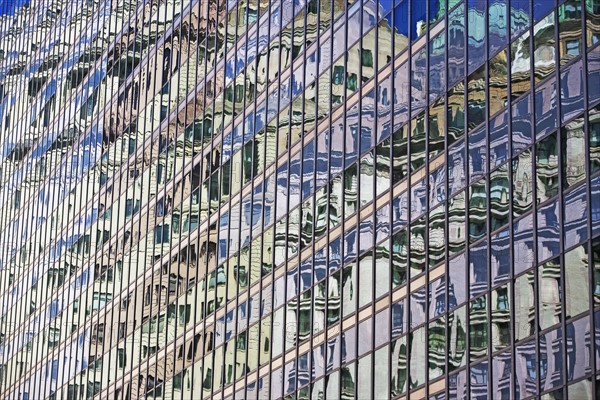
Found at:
<point>324,199</point>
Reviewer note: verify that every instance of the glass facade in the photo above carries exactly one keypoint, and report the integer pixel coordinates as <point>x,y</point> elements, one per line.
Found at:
<point>300,199</point>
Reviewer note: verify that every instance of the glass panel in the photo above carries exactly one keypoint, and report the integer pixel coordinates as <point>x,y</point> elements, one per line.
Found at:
<point>478,328</point>
<point>524,305</point>
<point>417,247</point>
<point>498,137</point>
<point>578,348</point>
<point>498,24</point>
<point>477,33</point>
<point>499,197</point>
<point>456,224</point>
<point>550,293</point>
<point>437,66</point>
<point>548,230</point>
<point>573,152</point>
<point>478,268</point>
<point>545,108</point>
<point>382,167</point>
<point>477,210</point>
<point>398,376</point>
<point>498,82</point>
<point>437,348</point>
<point>522,184</point>
<point>437,114</point>
<point>551,360</point>
<point>592,9</point>
<point>399,258</point>
<point>520,17</point>
<point>456,45</point>
<point>526,361</point>
<point>543,48</point>
<point>547,168</point>
<point>575,217</point>
<point>521,124</point>
<point>571,89</point>
<point>417,357</point>
<point>417,143</point>
<point>520,66</point>
<point>576,279</point>
<point>502,375</point>
<point>477,154</point>
<point>456,113</point>
<point>501,321</point>
<point>569,28</point>
<point>418,81</point>
<point>476,98</point>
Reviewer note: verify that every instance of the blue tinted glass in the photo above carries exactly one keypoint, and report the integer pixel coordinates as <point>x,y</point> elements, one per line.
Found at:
<point>322,159</point>
<point>594,75</point>
<point>541,8</point>
<point>499,140</point>
<point>418,19</point>
<point>477,154</point>
<point>437,186</point>
<point>308,169</point>
<point>382,221</point>
<point>400,211</point>
<point>498,25</point>
<point>401,18</point>
<point>401,91</point>
<point>521,124</point>
<point>335,255</point>
<point>519,16</point>
<point>456,45</point>
<point>398,318</point>
<point>456,168</point>
<point>571,90</point>
<point>478,267</point>
<point>350,245</point>
<point>551,359</point>
<point>575,217</point>
<point>418,81</point>
<point>367,118</point>
<point>457,281</point>
<point>578,353</point>
<point>306,272</point>
<point>336,159</point>
<point>545,108</point>
<point>477,33</point>
<point>548,231</point>
<point>366,234</point>
<point>479,379</point>
<point>351,134</point>
<point>294,182</point>
<point>500,261</point>
<point>437,67</point>
<point>419,199</point>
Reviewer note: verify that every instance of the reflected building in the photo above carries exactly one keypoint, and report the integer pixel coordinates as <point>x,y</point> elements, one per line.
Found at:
<point>308,199</point>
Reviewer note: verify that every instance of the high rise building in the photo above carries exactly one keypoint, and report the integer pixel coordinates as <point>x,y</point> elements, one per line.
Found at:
<point>299,199</point>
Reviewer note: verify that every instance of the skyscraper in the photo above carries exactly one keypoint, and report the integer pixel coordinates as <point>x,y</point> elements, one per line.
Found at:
<point>324,199</point>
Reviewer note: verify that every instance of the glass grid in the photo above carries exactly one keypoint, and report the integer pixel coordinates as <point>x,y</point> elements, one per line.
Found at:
<point>307,199</point>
